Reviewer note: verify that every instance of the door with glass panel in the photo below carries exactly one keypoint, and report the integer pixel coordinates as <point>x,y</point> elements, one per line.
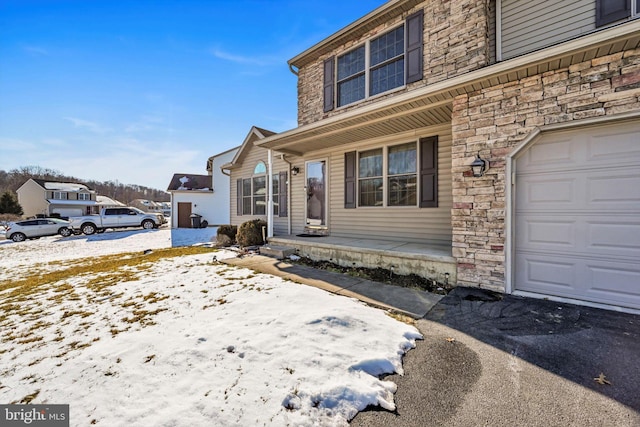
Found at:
<point>316,189</point>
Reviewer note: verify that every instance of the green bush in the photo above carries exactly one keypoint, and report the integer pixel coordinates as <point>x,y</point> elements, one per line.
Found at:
<point>250,233</point>
<point>226,234</point>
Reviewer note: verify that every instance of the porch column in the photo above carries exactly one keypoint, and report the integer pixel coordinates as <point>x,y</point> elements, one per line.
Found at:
<point>269,194</point>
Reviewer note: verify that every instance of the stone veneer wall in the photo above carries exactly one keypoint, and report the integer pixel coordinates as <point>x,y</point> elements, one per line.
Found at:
<point>493,121</point>
<point>456,40</point>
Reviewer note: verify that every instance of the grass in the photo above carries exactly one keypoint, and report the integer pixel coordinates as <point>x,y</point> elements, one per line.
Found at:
<point>67,283</point>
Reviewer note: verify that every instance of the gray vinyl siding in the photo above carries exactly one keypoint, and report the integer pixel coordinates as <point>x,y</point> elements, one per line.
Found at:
<point>531,25</point>
<point>255,155</point>
<point>411,224</point>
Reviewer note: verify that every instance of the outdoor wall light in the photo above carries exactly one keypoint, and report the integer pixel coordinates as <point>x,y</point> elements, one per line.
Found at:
<point>479,166</point>
<point>295,170</point>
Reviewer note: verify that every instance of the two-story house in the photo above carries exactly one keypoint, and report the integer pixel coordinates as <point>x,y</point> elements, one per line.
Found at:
<point>490,143</point>
<point>45,197</point>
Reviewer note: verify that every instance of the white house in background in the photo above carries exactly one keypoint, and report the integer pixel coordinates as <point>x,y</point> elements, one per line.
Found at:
<point>107,202</point>
<point>45,197</point>
<point>205,195</point>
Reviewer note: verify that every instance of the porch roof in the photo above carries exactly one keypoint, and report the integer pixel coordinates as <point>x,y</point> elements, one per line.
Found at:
<point>432,104</point>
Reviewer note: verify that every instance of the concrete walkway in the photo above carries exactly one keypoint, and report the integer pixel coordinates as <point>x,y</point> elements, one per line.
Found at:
<point>411,302</point>
<point>489,359</point>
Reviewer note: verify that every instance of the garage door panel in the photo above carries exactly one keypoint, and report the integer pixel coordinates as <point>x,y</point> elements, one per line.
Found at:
<point>613,237</point>
<point>546,233</point>
<point>613,147</point>
<point>577,216</point>
<point>548,155</point>
<point>618,189</point>
<point>613,283</point>
<point>547,192</point>
<point>538,272</point>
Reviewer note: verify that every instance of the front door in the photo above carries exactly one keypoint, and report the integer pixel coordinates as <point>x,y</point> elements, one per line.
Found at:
<point>184,215</point>
<point>316,209</point>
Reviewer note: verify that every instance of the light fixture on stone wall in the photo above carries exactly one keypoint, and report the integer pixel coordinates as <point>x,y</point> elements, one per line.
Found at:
<point>295,170</point>
<point>479,166</point>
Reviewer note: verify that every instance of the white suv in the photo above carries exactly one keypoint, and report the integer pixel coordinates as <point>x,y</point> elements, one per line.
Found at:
<point>35,228</point>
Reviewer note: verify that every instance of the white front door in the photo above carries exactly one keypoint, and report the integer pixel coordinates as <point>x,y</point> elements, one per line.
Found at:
<point>316,193</point>
<point>577,215</point>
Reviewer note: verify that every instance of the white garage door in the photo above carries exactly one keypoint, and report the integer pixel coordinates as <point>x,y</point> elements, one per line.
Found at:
<point>577,215</point>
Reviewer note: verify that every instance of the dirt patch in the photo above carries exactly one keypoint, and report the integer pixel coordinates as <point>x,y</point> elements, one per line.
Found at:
<point>380,275</point>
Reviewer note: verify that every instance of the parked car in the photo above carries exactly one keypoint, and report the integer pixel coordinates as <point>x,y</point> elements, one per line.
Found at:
<point>35,228</point>
<point>115,218</point>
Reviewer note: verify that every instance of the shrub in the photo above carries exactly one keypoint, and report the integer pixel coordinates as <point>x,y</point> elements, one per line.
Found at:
<point>250,233</point>
<point>226,234</point>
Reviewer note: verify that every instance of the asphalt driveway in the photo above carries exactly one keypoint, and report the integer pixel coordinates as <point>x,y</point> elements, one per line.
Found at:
<point>499,360</point>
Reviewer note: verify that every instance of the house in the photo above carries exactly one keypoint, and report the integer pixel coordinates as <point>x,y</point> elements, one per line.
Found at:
<point>204,195</point>
<point>147,205</point>
<point>50,198</point>
<point>542,97</point>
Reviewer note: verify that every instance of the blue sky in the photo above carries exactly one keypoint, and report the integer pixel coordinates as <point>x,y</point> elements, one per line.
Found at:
<point>137,90</point>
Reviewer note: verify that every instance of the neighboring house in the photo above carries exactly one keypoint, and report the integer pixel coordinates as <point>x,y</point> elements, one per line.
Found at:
<point>394,108</point>
<point>44,197</point>
<point>205,195</point>
<point>148,205</point>
<point>107,202</point>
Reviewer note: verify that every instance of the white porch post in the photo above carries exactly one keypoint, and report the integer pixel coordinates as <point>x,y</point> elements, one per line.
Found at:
<point>269,194</point>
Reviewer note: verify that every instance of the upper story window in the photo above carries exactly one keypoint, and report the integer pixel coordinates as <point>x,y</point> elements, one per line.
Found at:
<point>84,196</point>
<point>379,65</point>
<point>609,11</point>
<point>60,195</point>
<point>385,70</point>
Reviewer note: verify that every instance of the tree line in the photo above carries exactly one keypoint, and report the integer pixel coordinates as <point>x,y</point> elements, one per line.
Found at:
<point>125,193</point>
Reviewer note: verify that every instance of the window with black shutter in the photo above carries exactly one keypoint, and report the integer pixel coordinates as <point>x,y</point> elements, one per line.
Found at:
<point>381,64</point>
<point>429,172</point>
<point>608,11</point>
<point>350,180</point>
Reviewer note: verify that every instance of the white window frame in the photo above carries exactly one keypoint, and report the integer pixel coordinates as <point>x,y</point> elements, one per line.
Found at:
<point>386,175</point>
<point>367,68</point>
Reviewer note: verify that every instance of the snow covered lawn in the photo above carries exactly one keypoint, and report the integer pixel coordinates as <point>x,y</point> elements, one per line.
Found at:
<point>131,332</point>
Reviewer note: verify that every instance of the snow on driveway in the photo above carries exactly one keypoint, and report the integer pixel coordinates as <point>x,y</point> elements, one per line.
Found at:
<point>187,341</point>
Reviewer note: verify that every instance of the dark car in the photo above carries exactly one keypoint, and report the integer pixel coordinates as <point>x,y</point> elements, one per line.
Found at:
<point>35,228</point>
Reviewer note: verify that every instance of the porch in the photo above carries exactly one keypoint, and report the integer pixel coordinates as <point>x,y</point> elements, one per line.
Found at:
<point>432,261</point>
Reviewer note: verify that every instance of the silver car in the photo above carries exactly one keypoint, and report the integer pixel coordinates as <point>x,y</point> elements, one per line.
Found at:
<point>35,228</point>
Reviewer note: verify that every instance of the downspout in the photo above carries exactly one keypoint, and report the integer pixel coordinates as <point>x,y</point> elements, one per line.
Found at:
<point>292,70</point>
<point>270,194</point>
<point>498,30</point>
<point>289,179</point>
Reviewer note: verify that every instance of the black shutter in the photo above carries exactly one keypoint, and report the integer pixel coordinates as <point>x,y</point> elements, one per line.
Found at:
<point>328,84</point>
<point>608,11</point>
<point>429,172</point>
<point>282,194</point>
<point>239,197</point>
<point>350,180</point>
<point>414,56</point>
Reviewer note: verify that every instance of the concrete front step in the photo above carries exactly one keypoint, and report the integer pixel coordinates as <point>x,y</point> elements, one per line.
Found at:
<point>279,252</point>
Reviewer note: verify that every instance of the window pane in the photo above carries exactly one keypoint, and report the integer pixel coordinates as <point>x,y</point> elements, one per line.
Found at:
<point>370,192</point>
<point>387,77</point>
<point>260,168</point>
<point>402,159</point>
<point>259,195</point>
<point>246,197</point>
<point>351,90</point>
<point>351,63</point>
<point>370,163</point>
<point>387,46</point>
<point>402,190</point>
